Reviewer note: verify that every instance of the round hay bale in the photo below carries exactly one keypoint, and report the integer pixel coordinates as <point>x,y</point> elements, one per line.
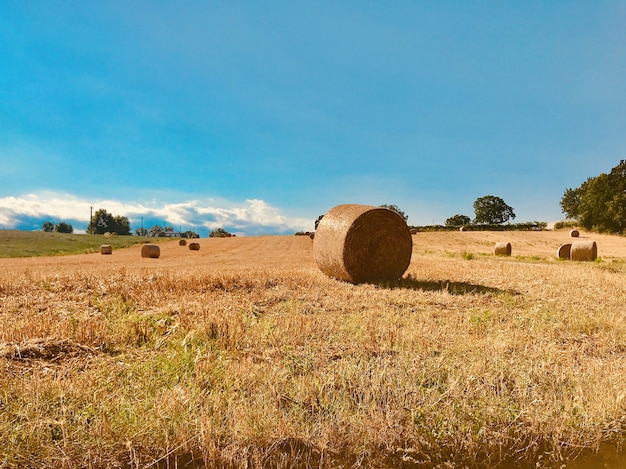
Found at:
<point>413,231</point>
<point>463,228</point>
<point>564,251</point>
<point>574,234</point>
<point>362,243</point>
<point>194,246</point>
<point>150,250</point>
<point>502,249</point>
<point>312,236</point>
<point>584,251</point>
<point>106,249</point>
<point>182,242</point>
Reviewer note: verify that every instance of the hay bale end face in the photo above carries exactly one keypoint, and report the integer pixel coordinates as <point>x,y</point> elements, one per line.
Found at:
<point>463,228</point>
<point>564,251</point>
<point>574,234</point>
<point>182,242</point>
<point>151,251</point>
<point>106,249</point>
<point>502,249</point>
<point>362,243</point>
<point>194,246</point>
<point>584,251</point>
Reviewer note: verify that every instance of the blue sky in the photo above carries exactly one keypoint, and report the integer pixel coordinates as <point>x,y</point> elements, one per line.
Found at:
<point>260,116</point>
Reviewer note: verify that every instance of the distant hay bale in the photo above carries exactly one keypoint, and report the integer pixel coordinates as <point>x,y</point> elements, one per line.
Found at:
<point>182,242</point>
<point>362,243</point>
<point>584,251</point>
<point>502,249</point>
<point>150,250</point>
<point>463,228</point>
<point>194,246</point>
<point>312,235</point>
<point>564,251</point>
<point>106,249</point>
<point>413,231</point>
<point>574,234</point>
<point>107,235</point>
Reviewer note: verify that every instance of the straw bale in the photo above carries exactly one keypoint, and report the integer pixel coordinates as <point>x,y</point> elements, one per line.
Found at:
<point>502,249</point>
<point>584,251</point>
<point>463,228</point>
<point>106,249</point>
<point>574,234</point>
<point>362,243</point>
<point>150,250</point>
<point>564,251</point>
<point>194,246</point>
<point>182,242</point>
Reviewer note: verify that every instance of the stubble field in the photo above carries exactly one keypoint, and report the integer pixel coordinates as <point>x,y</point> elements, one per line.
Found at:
<point>243,354</point>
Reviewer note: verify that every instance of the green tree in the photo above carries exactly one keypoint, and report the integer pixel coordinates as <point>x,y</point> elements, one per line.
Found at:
<point>141,232</point>
<point>317,222</point>
<point>156,231</point>
<point>103,222</point>
<point>189,234</point>
<point>48,227</point>
<point>600,202</point>
<point>63,227</point>
<point>219,233</point>
<point>397,210</point>
<point>492,210</point>
<point>458,220</point>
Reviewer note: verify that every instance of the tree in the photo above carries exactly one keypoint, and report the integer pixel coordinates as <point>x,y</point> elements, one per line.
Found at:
<point>600,202</point>
<point>458,220</point>
<point>156,231</point>
<point>317,222</point>
<point>48,227</point>
<point>63,227</point>
<point>492,210</point>
<point>103,222</point>
<point>397,210</point>
<point>141,232</point>
<point>189,234</point>
<point>219,233</point>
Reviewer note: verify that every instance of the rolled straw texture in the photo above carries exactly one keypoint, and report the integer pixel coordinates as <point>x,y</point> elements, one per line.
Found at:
<point>502,249</point>
<point>564,251</point>
<point>106,249</point>
<point>194,246</point>
<point>584,251</point>
<point>150,250</point>
<point>362,243</point>
<point>574,234</point>
<point>182,242</point>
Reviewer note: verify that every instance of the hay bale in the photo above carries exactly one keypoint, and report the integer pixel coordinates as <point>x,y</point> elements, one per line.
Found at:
<point>362,243</point>
<point>106,249</point>
<point>463,228</point>
<point>194,246</point>
<point>584,251</point>
<point>564,251</point>
<point>182,242</point>
<point>150,250</point>
<point>312,236</point>
<point>502,249</point>
<point>574,234</point>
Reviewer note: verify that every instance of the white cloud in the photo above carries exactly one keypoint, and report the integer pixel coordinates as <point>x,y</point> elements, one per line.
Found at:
<point>251,217</point>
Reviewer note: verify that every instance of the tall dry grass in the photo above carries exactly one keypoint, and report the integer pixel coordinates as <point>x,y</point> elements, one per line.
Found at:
<point>483,362</point>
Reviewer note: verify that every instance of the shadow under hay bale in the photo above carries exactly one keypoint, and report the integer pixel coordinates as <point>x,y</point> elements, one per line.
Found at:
<point>584,251</point>
<point>106,249</point>
<point>574,234</point>
<point>182,242</point>
<point>362,243</point>
<point>502,249</point>
<point>564,251</point>
<point>194,246</point>
<point>150,250</point>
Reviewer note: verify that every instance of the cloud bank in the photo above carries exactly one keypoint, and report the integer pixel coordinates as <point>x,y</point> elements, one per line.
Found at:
<point>251,217</point>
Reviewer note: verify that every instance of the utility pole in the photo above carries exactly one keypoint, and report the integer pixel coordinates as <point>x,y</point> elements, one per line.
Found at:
<point>91,220</point>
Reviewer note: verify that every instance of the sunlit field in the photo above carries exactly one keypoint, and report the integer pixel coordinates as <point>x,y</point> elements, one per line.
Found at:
<point>243,354</point>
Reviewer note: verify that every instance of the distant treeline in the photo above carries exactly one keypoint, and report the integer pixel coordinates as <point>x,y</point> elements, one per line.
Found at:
<point>529,226</point>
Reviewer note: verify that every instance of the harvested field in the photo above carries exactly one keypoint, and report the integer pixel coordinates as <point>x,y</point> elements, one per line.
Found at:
<point>244,354</point>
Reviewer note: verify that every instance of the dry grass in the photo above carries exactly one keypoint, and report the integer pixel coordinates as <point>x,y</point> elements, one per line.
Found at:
<point>244,354</point>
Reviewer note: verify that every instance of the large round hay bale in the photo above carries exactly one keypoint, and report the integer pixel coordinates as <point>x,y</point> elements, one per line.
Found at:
<point>463,228</point>
<point>574,233</point>
<point>502,249</point>
<point>564,251</point>
<point>362,243</point>
<point>182,242</point>
<point>584,251</point>
<point>150,250</point>
<point>106,249</point>
<point>194,246</point>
